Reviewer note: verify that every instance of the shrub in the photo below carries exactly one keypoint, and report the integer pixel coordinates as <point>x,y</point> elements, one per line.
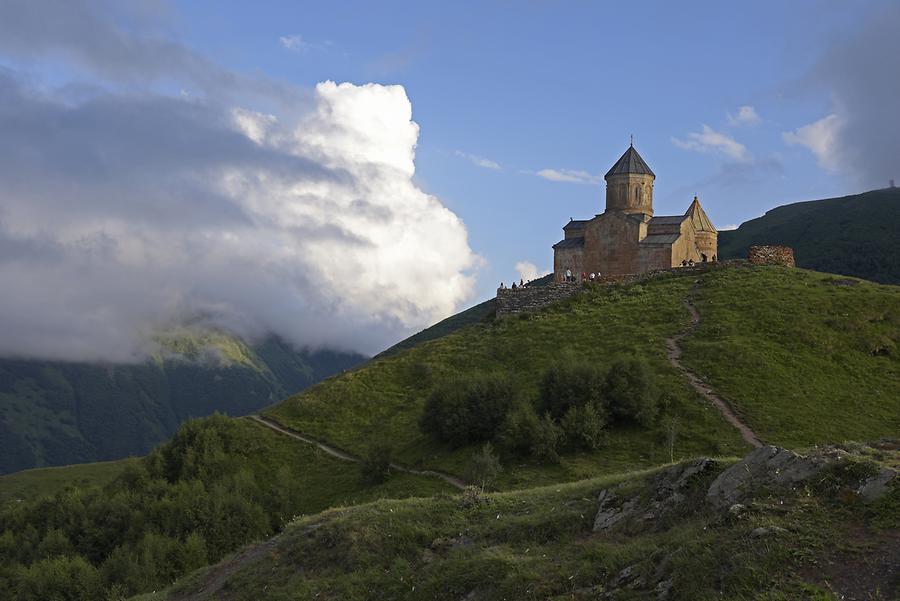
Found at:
<point>583,427</point>
<point>375,466</point>
<point>547,444</point>
<point>520,430</point>
<point>630,391</point>
<point>484,467</point>
<point>568,385</point>
<point>468,409</point>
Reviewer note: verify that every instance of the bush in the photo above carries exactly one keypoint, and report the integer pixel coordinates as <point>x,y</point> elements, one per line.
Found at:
<point>547,444</point>
<point>520,430</point>
<point>583,427</point>
<point>630,391</point>
<point>484,467</point>
<point>376,463</point>
<point>567,385</point>
<point>468,409</point>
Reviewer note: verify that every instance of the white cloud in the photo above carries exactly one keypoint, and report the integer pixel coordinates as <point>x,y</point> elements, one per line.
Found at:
<point>294,42</point>
<point>569,175</point>
<point>308,226</point>
<point>823,138</point>
<point>479,161</point>
<point>746,115</point>
<point>529,271</point>
<point>710,140</point>
<point>730,226</point>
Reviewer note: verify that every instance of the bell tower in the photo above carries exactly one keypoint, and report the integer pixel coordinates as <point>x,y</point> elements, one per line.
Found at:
<point>629,185</point>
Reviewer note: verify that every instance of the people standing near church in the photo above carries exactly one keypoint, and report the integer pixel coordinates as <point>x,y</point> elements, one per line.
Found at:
<point>592,276</point>
<point>568,275</point>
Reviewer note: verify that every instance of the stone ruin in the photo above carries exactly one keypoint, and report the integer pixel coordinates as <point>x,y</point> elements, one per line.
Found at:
<point>771,255</point>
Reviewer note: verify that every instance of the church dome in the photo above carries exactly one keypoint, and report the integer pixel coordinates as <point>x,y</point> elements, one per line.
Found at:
<point>630,163</point>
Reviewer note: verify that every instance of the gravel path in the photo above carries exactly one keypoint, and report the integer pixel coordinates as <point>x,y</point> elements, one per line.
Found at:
<point>673,351</point>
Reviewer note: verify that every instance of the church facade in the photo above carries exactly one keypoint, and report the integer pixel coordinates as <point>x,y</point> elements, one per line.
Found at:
<point>627,238</point>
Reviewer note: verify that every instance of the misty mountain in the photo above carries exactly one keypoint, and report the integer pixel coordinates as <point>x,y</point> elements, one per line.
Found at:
<point>55,413</point>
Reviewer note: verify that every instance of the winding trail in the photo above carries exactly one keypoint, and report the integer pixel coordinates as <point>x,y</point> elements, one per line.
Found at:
<point>673,352</point>
<point>345,456</point>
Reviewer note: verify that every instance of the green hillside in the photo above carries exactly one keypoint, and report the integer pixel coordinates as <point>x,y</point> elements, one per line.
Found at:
<point>574,399</point>
<point>55,413</point>
<point>660,536</point>
<point>855,235</point>
<point>800,356</point>
<point>217,485</point>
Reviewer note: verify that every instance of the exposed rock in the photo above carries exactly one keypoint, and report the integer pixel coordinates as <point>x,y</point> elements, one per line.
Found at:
<point>669,487</point>
<point>612,511</point>
<point>766,531</point>
<point>737,509</point>
<point>663,590</point>
<point>876,486</point>
<point>765,467</point>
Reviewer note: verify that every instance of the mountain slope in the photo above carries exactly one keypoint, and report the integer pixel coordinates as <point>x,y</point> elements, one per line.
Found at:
<point>801,359</point>
<point>855,235</point>
<point>797,528</point>
<point>54,413</point>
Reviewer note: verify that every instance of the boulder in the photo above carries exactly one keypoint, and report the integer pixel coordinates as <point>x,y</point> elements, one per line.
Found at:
<point>764,467</point>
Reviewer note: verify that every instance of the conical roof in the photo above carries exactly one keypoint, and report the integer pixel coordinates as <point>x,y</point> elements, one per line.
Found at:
<point>699,217</point>
<point>630,162</point>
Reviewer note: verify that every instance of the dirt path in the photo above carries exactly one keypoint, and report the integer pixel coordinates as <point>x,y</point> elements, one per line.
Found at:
<point>344,456</point>
<point>673,351</point>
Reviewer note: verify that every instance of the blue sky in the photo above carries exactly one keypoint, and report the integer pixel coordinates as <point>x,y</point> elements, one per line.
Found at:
<point>528,86</point>
<point>175,161</point>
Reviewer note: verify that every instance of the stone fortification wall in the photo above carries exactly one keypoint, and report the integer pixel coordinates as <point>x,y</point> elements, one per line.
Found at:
<point>531,298</point>
<point>771,255</point>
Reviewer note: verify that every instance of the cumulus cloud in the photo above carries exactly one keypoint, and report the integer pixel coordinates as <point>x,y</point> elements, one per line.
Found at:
<point>126,212</point>
<point>710,140</point>
<point>746,115</point>
<point>823,138</point>
<point>860,137</point>
<point>529,271</point>
<point>479,161</point>
<point>569,175</point>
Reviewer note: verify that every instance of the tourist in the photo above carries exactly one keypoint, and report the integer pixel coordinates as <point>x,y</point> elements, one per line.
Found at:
<point>593,275</point>
<point>514,286</point>
<point>521,283</point>
<point>684,262</point>
<point>568,274</point>
<point>583,276</point>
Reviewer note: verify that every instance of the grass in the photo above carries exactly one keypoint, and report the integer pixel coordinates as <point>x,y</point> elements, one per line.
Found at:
<point>386,396</point>
<point>804,357</point>
<point>31,484</point>
<point>317,480</point>
<point>538,544</point>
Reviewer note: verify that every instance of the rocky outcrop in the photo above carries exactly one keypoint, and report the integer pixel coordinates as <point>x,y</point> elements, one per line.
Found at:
<point>767,467</point>
<point>771,255</point>
<point>669,490</point>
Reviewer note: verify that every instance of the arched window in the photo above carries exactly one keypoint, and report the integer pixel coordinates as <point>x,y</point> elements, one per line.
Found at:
<point>637,194</point>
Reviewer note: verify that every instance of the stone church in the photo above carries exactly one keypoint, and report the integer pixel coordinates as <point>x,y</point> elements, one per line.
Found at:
<point>626,238</point>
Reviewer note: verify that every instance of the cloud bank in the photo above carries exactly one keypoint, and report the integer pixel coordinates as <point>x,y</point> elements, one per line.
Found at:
<point>572,176</point>
<point>125,209</point>
<point>860,135</point>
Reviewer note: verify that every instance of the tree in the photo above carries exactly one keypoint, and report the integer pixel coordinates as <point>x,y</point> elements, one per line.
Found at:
<point>630,391</point>
<point>520,430</point>
<point>571,384</point>
<point>484,466</point>
<point>584,427</point>
<point>375,466</point>
<point>547,443</point>
<point>468,409</point>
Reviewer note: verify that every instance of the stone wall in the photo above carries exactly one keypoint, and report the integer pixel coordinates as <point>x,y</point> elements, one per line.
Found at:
<point>531,298</point>
<point>771,255</point>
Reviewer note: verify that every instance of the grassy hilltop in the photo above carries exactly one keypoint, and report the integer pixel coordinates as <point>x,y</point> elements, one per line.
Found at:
<point>804,358</point>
